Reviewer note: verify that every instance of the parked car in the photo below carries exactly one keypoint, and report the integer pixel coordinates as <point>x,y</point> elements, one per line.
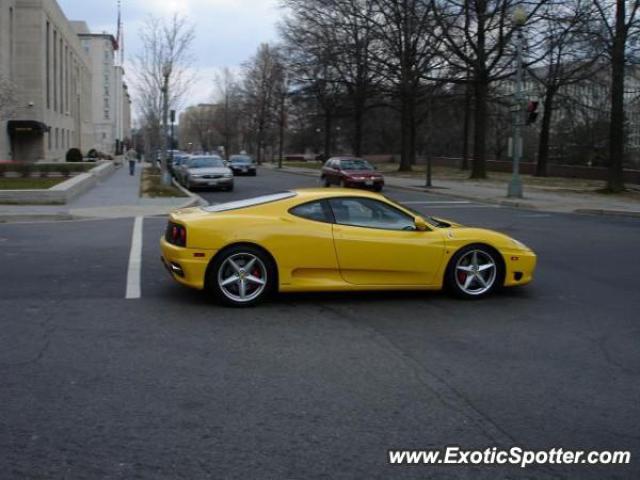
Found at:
<point>205,171</point>
<point>345,240</point>
<point>351,172</point>
<point>242,165</point>
<point>174,164</point>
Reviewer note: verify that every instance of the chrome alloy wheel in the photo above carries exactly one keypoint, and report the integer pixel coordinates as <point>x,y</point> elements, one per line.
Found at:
<point>476,272</point>
<point>242,277</point>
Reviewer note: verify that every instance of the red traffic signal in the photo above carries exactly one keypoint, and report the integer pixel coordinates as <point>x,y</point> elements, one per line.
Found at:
<point>532,113</point>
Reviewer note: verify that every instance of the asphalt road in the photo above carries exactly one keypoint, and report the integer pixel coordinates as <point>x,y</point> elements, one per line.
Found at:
<point>313,386</point>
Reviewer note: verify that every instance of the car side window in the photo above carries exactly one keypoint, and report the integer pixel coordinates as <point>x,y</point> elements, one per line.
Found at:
<point>369,213</point>
<point>315,211</point>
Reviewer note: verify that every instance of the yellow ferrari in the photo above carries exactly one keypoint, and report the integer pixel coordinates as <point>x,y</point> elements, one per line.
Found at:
<point>334,240</point>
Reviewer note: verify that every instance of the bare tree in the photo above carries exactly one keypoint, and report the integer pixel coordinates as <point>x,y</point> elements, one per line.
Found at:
<point>310,64</point>
<point>409,39</point>
<point>166,50</point>
<point>262,77</point>
<point>571,56</point>
<point>477,37</point>
<point>341,34</point>
<point>619,29</point>
<point>228,99</point>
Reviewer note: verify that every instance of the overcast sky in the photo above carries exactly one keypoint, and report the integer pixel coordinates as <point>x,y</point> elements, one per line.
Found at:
<point>227,31</point>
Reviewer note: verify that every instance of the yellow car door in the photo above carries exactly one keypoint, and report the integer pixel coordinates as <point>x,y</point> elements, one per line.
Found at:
<point>377,244</point>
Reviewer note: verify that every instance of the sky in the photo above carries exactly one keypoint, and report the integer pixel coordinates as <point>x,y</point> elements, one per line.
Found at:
<point>228,32</point>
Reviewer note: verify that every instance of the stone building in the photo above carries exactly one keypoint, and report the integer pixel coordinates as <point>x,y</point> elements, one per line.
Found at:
<point>7,53</point>
<point>67,89</point>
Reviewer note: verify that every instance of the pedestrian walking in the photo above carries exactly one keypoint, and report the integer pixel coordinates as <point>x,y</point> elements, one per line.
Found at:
<point>131,157</point>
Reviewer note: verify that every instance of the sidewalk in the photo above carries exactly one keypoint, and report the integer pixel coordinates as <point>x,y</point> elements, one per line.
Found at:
<point>536,197</point>
<point>115,197</point>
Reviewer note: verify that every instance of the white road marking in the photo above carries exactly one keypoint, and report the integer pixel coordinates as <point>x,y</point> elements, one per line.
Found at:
<point>135,261</point>
<point>438,202</point>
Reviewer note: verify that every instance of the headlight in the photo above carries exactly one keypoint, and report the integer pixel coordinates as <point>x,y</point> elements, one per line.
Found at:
<point>228,175</point>
<point>196,175</point>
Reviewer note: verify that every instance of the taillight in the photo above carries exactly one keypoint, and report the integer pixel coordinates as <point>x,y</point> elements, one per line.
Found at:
<point>176,234</point>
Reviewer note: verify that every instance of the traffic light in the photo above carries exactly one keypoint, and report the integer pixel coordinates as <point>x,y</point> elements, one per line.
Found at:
<point>532,113</point>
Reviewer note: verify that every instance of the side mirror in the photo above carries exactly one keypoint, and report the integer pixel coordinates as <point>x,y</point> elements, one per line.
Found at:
<point>421,224</point>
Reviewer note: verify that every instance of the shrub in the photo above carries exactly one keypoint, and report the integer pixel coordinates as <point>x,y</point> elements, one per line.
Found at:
<point>74,155</point>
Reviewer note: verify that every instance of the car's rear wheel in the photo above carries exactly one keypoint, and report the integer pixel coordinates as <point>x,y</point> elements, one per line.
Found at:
<point>474,272</point>
<point>241,276</point>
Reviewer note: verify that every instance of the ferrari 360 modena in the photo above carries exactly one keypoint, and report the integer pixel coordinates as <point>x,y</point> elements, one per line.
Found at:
<point>311,240</point>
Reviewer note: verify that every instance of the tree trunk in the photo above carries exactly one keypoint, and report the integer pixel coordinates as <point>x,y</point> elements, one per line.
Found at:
<point>327,135</point>
<point>465,129</point>
<point>479,135</point>
<point>358,119</point>
<point>543,143</point>
<point>616,132</point>
<point>407,135</point>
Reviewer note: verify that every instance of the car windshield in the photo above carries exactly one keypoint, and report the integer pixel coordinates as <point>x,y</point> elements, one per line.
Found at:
<point>355,164</point>
<point>432,220</point>
<point>249,202</point>
<point>242,160</point>
<point>206,162</point>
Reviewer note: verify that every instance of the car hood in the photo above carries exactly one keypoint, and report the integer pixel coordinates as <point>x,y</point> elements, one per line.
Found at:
<point>209,171</point>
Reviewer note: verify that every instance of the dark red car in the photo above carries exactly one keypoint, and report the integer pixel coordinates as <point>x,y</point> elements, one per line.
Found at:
<point>351,172</point>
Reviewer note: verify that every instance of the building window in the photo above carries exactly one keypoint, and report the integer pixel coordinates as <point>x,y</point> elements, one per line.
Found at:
<point>57,138</point>
<point>49,138</point>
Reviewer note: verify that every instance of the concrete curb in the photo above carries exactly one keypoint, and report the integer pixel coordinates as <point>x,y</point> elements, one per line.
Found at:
<point>63,192</point>
<point>195,200</point>
<point>35,217</point>
<point>613,213</point>
<point>504,203</point>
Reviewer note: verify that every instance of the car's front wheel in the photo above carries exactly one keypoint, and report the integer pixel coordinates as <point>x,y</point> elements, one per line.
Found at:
<point>241,276</point>
<point>474,272</point>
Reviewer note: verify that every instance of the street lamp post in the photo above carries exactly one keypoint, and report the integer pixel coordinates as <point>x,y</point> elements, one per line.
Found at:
<point>172,115</point>
<point>515,185</point>
<point>166,73</point>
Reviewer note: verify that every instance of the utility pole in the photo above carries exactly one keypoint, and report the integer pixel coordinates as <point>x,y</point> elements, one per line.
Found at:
<point>166,73</point>
<point>515,185</point>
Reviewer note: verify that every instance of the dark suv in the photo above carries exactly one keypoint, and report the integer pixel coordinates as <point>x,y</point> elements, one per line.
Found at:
<point>351,172</point>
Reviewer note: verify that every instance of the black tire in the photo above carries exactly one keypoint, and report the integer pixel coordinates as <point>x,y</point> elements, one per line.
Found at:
<point>266,264</point>
<point>454,278</point>
<point>377,188</point>
<point>325,182</point>
<point>254,173</point>
<point>229,189</point>
<point>343,184</point>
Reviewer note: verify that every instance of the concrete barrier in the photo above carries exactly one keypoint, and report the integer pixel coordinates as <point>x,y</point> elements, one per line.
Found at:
<point>61,193</point>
